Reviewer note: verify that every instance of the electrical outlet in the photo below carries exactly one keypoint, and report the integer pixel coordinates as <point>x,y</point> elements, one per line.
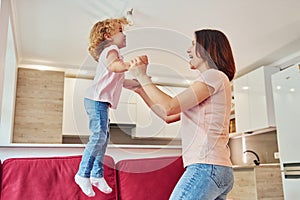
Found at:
<point>276,155</point>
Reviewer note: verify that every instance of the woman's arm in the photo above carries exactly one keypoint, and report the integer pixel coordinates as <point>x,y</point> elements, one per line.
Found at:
<point>161,103</point>
<point>168,119</point>
<point>169,108</point>
<point>172,118</point>
<point>164,105</point>
<point>131,84</point>
<point>115,64</point>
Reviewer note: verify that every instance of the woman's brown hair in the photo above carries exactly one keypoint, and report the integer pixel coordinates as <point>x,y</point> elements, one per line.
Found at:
<point>213,46</point>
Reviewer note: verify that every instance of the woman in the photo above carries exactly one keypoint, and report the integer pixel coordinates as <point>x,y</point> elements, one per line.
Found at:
<point>204,110</point>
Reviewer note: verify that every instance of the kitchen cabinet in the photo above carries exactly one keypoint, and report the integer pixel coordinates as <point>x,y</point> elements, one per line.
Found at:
<point>132,110</point>
<point>149,125</point>
<point>126,110</point>
<point>254,107</point>
<point>257,183</point>
<point>75,119</point>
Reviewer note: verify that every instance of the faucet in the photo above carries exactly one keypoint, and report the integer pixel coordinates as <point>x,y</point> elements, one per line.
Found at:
<point>257,161</point>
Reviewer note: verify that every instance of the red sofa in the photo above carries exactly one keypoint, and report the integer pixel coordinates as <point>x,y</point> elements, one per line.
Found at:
<point>52,178</point>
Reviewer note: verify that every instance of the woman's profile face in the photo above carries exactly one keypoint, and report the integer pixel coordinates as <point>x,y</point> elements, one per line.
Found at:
<point>195,59</point>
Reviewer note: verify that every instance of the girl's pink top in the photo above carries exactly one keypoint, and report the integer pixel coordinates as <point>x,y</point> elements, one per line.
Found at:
<point>107,85</point>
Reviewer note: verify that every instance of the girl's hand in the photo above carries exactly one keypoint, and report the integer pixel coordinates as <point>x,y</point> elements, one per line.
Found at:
<point>138,66</point>
<point>144,59</point>
<point>138,69</point>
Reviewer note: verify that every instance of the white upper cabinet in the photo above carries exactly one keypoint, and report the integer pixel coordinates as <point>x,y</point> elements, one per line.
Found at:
<point>131,110</point>
<point>126,110</point>
<point>254,107</point>
<point>149,125</point>
<point>75,119</point>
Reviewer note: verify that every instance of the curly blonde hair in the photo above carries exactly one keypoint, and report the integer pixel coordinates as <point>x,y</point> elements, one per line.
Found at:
<point>97,35</point>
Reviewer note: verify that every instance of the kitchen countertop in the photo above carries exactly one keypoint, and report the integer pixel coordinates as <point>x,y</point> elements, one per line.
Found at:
<point>255,166</point>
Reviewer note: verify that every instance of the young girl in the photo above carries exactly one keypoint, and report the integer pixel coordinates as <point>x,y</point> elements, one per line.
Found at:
<point>204,110</point>
<point>106,38</point>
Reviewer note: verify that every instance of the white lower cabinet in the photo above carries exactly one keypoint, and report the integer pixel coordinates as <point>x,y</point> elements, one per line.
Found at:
<point>257,183</point>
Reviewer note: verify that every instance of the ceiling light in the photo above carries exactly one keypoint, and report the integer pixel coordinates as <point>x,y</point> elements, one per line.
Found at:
<point>129,14</point>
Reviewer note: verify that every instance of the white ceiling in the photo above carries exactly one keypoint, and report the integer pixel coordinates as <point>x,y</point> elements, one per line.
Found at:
<point>55,32</point>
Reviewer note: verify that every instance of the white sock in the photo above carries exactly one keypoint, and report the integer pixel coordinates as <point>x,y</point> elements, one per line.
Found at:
<point>101,184</point>
<point>85,185</point>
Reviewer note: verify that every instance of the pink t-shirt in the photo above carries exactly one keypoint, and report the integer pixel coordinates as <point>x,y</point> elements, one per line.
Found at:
<point>107,85</point>
<point>204,128</point>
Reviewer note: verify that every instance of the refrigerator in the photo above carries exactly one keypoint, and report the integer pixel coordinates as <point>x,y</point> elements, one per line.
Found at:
<point>286,93</point>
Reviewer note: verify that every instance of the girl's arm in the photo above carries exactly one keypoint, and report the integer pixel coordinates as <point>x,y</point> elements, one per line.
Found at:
<point>115,64</point>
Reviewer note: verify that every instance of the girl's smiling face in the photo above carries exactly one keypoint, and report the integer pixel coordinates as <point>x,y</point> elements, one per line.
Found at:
<point>118,37</point>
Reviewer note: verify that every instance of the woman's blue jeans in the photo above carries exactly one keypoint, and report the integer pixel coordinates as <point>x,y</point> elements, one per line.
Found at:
<point>91,164</point>
<point>204,182</point>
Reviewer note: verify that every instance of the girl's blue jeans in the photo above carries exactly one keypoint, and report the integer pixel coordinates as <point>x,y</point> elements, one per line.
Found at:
<point>204,182</point>
<point>91,164</point>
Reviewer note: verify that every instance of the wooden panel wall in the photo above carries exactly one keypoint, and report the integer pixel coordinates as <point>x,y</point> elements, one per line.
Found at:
<point>39,106</point>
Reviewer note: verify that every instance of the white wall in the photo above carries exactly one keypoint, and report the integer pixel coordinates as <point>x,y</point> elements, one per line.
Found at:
<point>4,16</point>
<point>9,89</point>
<point>8,67</point>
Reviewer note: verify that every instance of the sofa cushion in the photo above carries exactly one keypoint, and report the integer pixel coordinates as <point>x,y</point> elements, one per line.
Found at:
<point>149,178</point>
<point>49,178</point>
